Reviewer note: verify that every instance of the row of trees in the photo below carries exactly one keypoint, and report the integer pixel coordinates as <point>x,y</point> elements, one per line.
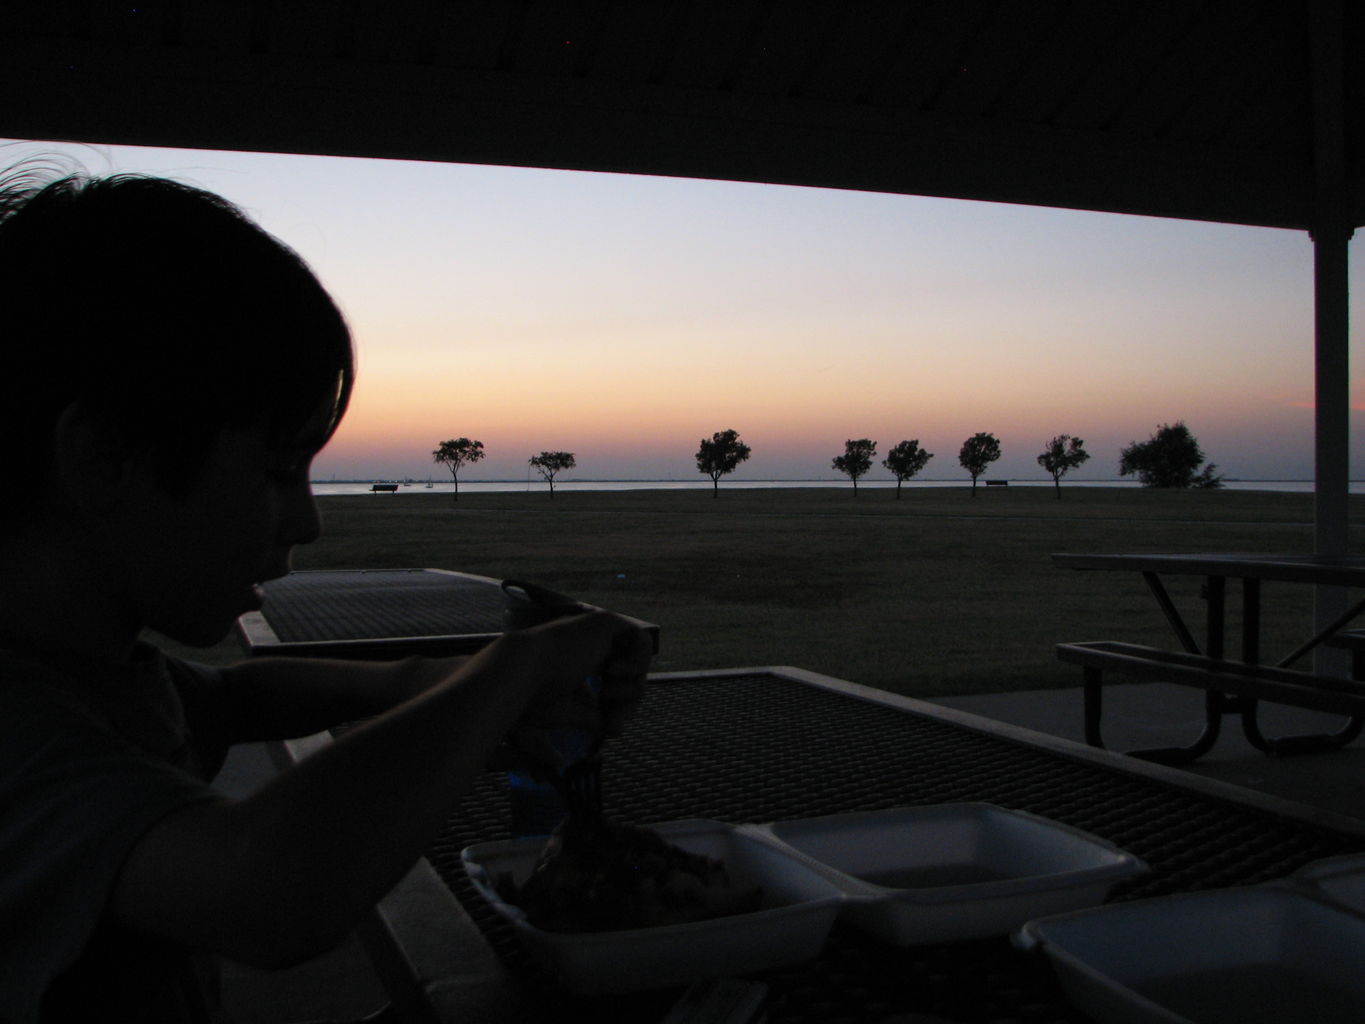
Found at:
<point>459,452</point>
<point>908,458</point>
<point>1171,457</point>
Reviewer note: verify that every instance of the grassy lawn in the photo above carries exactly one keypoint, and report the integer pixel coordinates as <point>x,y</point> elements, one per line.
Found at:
<point>933,594</point>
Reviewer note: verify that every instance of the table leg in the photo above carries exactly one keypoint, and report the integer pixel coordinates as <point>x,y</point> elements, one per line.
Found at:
<point>1168,608</point>
<point>1213,702</point>
<point>1215,595</point>
<point>1251,727</point>
<point>1251,621</point>
<point>1336,626</point>
<point>1251,655</point>
<point>1093,684</point>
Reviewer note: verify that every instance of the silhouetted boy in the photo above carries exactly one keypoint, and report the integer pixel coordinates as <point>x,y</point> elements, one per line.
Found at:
<point>169,371</point>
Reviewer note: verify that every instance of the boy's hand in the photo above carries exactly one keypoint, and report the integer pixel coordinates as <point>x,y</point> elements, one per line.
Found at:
<point>566,653</point>
<point>623,679</point>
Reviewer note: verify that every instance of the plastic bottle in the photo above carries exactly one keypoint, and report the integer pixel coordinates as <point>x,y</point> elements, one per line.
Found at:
<point>537,808</point>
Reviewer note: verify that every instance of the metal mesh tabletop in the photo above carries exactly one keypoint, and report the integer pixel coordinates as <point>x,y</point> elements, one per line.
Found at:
<point>761,747</point>
<point>378,613</point>
<point>313,606</point>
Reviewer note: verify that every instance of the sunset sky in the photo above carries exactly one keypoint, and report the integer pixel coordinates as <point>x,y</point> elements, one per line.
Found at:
<point>623,318</point>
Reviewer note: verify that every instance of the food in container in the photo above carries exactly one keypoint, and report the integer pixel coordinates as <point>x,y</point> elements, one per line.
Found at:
<point>602,876</point>
<point>796,907</point>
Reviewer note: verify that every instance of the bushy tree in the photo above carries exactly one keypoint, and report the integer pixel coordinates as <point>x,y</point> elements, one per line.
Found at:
<point>978,452</point>
<point>1062,454</point>
<point>856,460</point>
<point>720,455</point>
<point>905,460</point>
<point>1171,457</point>
<point>547,464</point>
<point>457,453</point>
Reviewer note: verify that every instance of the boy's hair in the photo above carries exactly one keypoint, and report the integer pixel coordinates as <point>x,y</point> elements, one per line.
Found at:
<point>163,308</point>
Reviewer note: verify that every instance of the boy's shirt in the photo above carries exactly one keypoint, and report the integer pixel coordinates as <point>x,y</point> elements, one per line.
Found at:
<point>89,760</point>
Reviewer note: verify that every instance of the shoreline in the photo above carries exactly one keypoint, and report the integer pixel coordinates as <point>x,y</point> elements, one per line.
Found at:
<point>339,487</point>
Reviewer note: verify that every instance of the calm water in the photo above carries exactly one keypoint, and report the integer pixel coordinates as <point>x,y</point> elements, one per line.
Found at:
<point>704,483</point>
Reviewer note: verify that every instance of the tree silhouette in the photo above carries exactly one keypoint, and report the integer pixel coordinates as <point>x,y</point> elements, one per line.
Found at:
<point>550,463</point>
<point>1169,458</point>
<point>904,461</point>
<point>454,454</point>
<point>856,460</point>
<point>719,456</point>
<point>978,452</point>
<point>1062,454</point>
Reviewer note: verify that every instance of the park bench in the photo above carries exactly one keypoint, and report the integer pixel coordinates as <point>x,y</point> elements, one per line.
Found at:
<point>381,488</point>
<point>997,483</point>
<point>1232,687</point>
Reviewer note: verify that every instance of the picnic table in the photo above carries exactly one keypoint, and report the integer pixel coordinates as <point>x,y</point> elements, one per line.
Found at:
<point>776,743</point>
<point>376,613</point>
<point>1231,685</point>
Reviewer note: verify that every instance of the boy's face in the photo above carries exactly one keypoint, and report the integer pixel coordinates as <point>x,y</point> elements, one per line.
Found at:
<point>205,552</point>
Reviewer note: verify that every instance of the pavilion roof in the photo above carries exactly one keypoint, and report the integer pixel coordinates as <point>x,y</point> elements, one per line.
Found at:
<point>1222,110</point>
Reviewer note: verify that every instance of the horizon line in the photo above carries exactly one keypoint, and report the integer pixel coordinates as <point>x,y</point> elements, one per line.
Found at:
<point>787,480</point>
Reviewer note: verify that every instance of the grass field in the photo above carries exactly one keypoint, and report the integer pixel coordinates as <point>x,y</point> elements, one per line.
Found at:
<point>938,593</point>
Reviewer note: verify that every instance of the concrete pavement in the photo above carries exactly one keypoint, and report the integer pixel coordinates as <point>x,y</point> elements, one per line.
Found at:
<point>1144,715</point>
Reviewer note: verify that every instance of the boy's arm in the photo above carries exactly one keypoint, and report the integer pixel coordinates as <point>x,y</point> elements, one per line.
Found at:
<point>287,871</point>
<point>281,698</point>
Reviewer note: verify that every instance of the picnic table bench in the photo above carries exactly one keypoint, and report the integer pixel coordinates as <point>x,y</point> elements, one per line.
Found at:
<point>1231,686</point>
<point>1235,685</point>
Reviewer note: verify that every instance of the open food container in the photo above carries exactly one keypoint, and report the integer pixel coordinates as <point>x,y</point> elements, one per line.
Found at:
<point>796,910</point>
<point>953,872</point>
<point>1266,953</point>
<point>933,874</point>
<point>1338,880</point>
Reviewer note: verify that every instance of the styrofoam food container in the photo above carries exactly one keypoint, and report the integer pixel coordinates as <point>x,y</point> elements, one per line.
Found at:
<point>1338,880</point>
<point>951,872</point>
<point>799,906</point>
<point>1254,954</point>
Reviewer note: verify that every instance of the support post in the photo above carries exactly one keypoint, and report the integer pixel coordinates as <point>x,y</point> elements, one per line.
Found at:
<point>1332,385</point>
<point>1331,292</point>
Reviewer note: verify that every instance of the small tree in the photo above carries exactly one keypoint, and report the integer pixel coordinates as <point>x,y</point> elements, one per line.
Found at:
<point>550,463</point>
<point>1062,454</point>
<point>978,452</point>
<point>454,454</point>
<point>856,460</point>
<point>719,456</point>
<point>1169,458</point>
<point>904,461</point>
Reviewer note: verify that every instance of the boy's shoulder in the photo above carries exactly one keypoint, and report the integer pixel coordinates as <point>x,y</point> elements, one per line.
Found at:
<point>66,769</point>
<point>75,797</point>
<point>52,713</point>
